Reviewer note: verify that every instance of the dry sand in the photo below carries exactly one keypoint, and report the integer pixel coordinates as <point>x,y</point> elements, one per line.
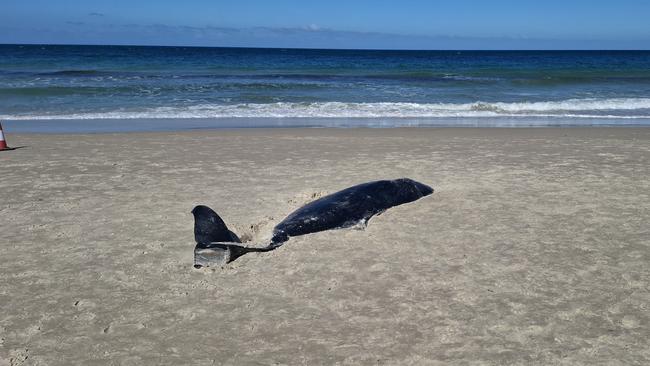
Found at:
<point>534,249</point>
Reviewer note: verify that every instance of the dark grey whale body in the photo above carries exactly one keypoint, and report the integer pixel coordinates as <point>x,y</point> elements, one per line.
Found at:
<point>342,209</point>
<point>349,207</point>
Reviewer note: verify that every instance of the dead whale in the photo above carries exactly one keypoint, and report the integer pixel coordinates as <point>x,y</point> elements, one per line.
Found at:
<point>349,207</point>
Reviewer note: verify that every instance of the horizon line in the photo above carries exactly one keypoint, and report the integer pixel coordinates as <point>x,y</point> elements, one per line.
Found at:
<point>335,49</point>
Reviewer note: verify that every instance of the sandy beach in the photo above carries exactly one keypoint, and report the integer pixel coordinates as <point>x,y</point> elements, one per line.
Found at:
<point>533,250</point>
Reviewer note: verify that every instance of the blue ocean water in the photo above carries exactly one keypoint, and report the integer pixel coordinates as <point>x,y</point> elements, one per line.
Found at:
<point>108,83</point>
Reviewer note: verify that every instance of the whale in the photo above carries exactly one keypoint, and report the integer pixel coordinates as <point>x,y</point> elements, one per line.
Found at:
<point>216,244</point>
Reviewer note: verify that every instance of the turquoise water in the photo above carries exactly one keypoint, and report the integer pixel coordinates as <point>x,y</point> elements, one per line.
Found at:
<point>322,87</point>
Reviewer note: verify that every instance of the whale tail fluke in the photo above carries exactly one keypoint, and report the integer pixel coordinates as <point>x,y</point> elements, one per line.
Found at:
<point>216,244</point>
<point>210,228</point>
<point>219,254</point>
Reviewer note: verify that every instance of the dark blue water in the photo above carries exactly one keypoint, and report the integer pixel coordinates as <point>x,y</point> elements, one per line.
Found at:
<point>149,83</point>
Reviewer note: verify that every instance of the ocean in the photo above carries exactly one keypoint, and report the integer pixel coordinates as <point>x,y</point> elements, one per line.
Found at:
<point>96,88</point>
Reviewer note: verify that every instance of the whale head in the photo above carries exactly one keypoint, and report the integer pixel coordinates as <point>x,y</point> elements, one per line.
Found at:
<point>408,190</point>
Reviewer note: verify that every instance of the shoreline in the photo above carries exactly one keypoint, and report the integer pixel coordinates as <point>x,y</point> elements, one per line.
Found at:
<point>80,126</point>
<point>493,133</point>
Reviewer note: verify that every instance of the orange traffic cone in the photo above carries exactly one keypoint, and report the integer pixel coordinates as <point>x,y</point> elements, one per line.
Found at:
<point>3,143</point>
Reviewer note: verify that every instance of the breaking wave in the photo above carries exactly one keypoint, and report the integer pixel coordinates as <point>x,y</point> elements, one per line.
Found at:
<point>571,108</point>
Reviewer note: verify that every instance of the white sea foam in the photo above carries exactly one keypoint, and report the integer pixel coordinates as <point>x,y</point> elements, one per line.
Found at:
<point>625,108</point>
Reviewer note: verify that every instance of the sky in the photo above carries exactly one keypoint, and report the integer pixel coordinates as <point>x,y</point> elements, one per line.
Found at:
<point>364,24</point>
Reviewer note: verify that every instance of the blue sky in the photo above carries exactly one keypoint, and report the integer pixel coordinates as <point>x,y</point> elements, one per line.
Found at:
<point>414,24</point>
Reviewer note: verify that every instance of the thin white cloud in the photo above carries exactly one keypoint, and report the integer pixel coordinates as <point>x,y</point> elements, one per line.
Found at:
<point>311,36</point>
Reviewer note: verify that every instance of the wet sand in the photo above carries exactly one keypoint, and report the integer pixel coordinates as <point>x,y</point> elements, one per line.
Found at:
<point>534,249</point>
